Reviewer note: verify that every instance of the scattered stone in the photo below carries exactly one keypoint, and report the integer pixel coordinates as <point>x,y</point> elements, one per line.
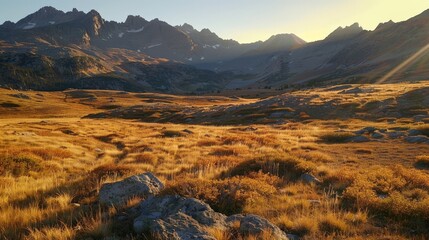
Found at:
<point>68,132</point>
<point>187,131</point>
<point>20,95</point>
<point>255,225</point>
<point>414,132</point>
<point>358,139</point>
<point>309,178</point>
<point>417,139</point>
<point>377,135</point>
<point>394,135</point>
<point>420,118</point>
<point>118,193</point>
<point>366,130</point>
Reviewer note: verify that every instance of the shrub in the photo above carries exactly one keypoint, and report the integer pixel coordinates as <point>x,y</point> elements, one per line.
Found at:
<point>18,165</point>
<point>336,137</point>
<point>109,170</point>
<point>227,196</point>
<point>172,134</point>
<point>282,166</point>
<point>422,161</point>
<point>332,224</point>
<point>147,158</point>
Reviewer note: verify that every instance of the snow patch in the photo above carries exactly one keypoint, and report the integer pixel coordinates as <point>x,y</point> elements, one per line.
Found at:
<point>135,30</point>
<point>120,35</point>
<point>202,58</point>
<point>138,50</point>
<point>51,22</point>
<point>209,46</point>
<point>155,45</point>
<point>30,25</point>
<point>190,59</point>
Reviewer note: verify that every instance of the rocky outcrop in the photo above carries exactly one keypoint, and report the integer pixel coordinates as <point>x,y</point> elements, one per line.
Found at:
<point>178,218</point>
<point>118,193</point>
<point>175,217</point>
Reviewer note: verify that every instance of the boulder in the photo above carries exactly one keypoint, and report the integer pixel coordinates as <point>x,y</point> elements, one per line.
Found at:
<point>118,193</point>
<point>157,211</point>
<point>254,225</point>
<point>417,139</point>
<point>180,218</point>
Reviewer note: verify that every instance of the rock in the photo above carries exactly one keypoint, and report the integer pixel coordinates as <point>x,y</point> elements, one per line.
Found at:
<point>187,131</point>
<point>417,139</point>
<point>420,118</point>
<point>163,213</point>
<point>377,135</point>
<point>254,225</point>
<point>119,193</point>
<point>309,178</point>
<point>366,130</point>
<point>395,135</point>
<point>20,95</point>
<point>179,227</point>
<point>414,132</point>
<point>358,139</point>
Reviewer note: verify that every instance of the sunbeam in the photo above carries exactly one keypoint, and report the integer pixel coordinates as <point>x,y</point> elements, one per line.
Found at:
<point>404,64</point>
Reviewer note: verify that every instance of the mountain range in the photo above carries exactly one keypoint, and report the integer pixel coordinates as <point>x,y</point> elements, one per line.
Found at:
<point>54,50</point>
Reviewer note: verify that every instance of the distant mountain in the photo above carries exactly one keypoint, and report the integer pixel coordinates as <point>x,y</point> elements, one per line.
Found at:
<point>52,49</point>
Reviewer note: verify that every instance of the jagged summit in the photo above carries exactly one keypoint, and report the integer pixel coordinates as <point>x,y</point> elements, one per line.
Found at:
<point>344,33</point>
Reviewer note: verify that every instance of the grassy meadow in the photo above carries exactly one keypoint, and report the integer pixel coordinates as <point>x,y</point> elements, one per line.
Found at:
<point>53,161</point>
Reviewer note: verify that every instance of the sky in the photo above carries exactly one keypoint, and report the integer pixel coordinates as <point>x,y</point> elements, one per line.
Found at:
<point>241,20</point>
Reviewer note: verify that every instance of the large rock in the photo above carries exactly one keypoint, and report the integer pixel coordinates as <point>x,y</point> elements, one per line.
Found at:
<point>118,193</point>
<point>255,225</point>
<point>162,213</point>
<point>180,218</point>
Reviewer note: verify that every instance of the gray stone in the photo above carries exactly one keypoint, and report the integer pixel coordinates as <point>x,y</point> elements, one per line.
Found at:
<point>309,178</point>
<point>118,193</point>
<point>377,135</point>
<point>420,118</point>
<point>395,135</point>
<point>358,139</point>
<point>414,132</point>
<point>417,139</point>
<point>162,209</point>
<point>254,225</point>
<point>366,130</point>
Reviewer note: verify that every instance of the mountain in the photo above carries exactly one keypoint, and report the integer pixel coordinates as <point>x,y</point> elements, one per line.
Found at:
<point>52,49</point>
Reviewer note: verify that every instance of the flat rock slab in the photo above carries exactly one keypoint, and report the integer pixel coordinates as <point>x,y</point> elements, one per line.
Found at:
<point>118,193</point>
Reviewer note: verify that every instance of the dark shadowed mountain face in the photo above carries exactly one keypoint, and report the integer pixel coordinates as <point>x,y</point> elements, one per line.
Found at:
<point>52,49</point>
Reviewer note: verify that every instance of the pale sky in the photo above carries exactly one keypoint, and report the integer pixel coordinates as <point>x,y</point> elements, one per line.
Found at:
<point>242,20</point>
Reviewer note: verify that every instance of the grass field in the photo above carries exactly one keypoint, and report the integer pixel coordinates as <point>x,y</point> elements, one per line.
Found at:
<point>53,160</point>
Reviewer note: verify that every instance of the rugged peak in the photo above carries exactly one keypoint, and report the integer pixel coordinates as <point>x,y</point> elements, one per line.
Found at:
<point>385,25</point>
<point>344,33</point>
<point>135,21</point>
<point>75,10</point>
<point>188,28</point>
<point>94,13</point>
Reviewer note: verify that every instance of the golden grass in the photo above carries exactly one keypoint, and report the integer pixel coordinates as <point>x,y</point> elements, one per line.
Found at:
<point>368,190</point>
